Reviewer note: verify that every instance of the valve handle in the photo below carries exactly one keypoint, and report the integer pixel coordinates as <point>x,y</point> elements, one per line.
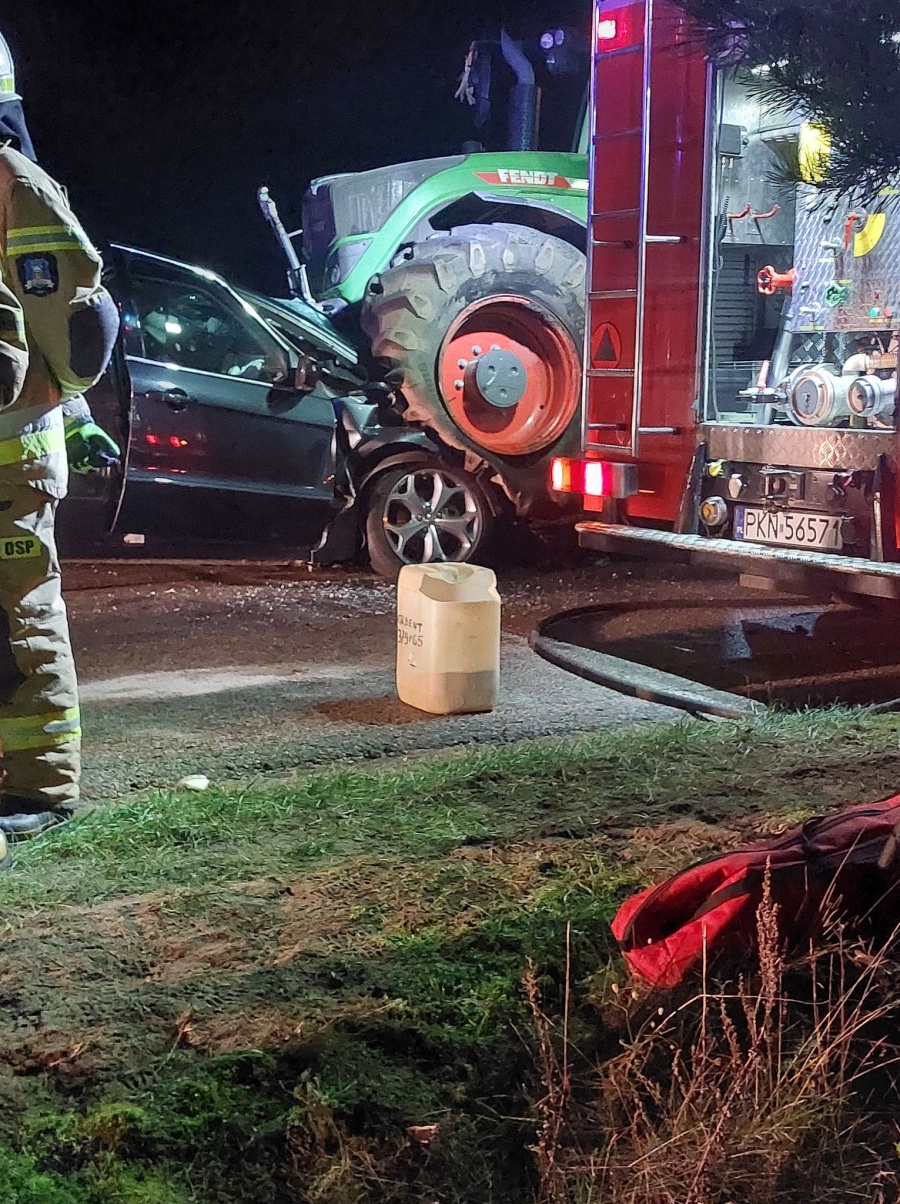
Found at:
<point>850,228</point>
<point>769,282</point>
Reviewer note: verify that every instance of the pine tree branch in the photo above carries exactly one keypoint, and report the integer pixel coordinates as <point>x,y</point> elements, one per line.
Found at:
<point>836,62</point>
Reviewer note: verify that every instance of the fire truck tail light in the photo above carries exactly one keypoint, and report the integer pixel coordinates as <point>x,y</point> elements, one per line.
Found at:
<point>618,32</point>
<point>561,476</point>
<point>607,30</point>
<point>593,478</point>
<point>567,476</point>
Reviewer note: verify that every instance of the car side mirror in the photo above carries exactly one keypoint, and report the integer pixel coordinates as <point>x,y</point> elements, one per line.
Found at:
<point>306,374</point>
<point>297,382</point>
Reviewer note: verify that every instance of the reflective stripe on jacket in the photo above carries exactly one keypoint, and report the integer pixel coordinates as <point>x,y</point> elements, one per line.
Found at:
<point>30,435</point>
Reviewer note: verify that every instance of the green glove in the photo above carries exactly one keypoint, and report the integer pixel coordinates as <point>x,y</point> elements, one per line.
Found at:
<point>90,449</point>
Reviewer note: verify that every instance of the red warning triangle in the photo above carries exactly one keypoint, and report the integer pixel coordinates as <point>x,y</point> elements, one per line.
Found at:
<point>607,346</point>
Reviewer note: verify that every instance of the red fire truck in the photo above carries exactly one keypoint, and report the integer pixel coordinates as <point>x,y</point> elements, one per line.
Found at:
<point>740,382</point>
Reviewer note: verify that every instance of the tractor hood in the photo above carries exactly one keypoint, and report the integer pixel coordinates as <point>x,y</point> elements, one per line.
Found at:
<point>355,205</point>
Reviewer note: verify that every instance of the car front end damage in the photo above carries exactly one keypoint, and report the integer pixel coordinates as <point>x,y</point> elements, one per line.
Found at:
<point>373,435</point>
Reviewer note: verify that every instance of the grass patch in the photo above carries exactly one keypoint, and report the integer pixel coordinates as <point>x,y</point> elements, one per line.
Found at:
<point>313,990</point>
<point>564,788</point>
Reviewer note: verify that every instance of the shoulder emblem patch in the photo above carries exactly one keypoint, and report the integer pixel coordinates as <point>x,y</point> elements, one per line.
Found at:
<point>39,274</point>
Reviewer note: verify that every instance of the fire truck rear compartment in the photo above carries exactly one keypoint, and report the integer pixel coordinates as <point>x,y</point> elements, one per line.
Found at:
<point>801,352</point>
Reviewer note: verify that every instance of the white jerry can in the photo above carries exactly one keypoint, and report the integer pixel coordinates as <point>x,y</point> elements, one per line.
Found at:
<point>448,638</point>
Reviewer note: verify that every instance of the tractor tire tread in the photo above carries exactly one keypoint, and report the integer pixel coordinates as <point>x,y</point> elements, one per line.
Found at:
<point>409,307</point>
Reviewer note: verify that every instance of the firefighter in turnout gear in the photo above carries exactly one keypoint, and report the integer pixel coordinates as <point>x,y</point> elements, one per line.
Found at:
<point>57,330</point>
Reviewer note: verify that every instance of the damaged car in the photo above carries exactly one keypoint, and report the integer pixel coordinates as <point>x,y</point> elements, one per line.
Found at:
<point>250,421</point>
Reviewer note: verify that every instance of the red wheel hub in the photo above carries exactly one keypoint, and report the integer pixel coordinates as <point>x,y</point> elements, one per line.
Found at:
<point>509,376</point>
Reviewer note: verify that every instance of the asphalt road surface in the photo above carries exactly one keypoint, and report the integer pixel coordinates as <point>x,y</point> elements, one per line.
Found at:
<point>241,669</point>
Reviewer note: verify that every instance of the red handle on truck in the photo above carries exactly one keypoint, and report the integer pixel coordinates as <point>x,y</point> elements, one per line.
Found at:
<point>745,212</point>
<point>769,282</point>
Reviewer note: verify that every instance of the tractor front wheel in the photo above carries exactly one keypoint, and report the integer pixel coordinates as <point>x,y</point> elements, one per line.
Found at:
<point>482,329</point>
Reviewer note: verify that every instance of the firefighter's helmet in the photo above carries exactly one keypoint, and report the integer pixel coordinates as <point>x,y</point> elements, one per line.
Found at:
<point>7,73</point>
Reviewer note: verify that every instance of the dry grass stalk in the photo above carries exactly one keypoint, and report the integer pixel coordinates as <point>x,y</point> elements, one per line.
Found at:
<point>556,1079</point>
<point>750,1094</point>
<point>330,1167</point>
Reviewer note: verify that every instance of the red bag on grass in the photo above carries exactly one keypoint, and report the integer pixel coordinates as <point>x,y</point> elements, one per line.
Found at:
<point>845,862</point>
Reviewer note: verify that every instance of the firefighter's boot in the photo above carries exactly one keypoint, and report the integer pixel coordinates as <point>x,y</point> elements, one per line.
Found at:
<point>19,824</point>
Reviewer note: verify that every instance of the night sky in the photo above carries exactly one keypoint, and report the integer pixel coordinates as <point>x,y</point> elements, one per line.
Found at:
<point>162,118</point>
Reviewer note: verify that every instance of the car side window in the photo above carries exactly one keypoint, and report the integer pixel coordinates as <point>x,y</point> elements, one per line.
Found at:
<point>187,323</point>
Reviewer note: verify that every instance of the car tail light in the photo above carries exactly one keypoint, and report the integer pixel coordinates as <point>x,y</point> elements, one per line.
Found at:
<point>593,478</point>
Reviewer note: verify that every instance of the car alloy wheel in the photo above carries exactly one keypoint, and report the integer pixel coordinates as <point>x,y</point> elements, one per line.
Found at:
<point>431,516</point>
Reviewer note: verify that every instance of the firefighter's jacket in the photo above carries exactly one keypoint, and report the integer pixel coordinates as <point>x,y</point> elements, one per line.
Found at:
<point>58,324</point>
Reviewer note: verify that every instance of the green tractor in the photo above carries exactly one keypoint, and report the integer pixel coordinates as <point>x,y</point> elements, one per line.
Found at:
<point>463,277</point>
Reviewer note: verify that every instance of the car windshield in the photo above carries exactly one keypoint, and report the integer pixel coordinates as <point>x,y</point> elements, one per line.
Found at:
<point>306,328</point>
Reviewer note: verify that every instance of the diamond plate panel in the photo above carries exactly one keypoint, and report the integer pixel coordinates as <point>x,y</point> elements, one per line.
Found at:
<point>800,448</point>
<point>839,286</point>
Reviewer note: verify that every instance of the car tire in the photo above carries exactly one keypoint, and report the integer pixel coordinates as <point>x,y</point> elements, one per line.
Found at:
<point>423,511</point>
<point>471,295</point>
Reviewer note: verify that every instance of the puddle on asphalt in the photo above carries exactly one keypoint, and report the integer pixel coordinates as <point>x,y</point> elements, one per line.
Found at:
<point>795,654</point>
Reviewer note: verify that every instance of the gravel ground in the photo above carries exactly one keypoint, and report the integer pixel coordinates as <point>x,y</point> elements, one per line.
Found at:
<point>242,669</point>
